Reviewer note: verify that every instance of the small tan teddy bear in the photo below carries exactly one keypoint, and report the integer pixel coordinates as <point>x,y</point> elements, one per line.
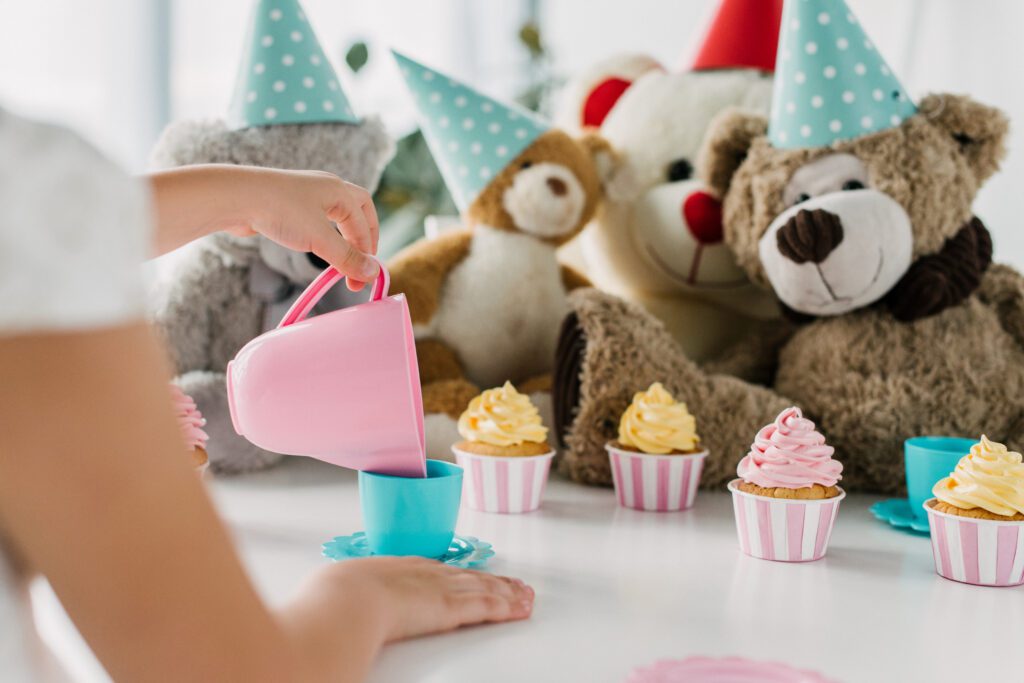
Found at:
<point>487,302</point>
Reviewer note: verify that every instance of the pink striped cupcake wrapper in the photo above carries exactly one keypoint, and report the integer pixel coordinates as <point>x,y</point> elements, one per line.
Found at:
<point>508,485</point>
<point>981,552</point>
<point>656,483</point>
<point>781,529</point>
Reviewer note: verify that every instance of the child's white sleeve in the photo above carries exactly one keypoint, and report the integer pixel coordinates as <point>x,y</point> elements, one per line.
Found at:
<point>74,230</point>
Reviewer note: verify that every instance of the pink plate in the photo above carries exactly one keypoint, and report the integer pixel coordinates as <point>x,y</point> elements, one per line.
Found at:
<point>723,670</point>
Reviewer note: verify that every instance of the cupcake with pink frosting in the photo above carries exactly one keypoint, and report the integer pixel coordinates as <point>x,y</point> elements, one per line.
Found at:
<point>786,497</point>
<point>191,423</point>
<point>790,459</point>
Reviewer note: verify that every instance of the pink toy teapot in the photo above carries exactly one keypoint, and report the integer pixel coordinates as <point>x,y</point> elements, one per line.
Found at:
<point>342,387</point>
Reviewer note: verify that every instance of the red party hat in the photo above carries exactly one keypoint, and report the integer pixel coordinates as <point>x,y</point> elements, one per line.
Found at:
<point>743,34</point>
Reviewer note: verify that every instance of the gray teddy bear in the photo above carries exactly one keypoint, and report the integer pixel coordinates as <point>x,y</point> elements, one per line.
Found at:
<point>228,290</point>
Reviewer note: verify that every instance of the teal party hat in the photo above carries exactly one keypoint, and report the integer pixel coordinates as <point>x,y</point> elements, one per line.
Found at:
<point>285,77</point>
<point>830,81</point>
<point>473,137</point>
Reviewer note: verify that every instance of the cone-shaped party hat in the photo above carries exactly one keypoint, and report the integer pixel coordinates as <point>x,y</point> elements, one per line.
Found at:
<point>830,82</point>
<point>285,77</point>
<point>743,34</point>
<point>473,137</point>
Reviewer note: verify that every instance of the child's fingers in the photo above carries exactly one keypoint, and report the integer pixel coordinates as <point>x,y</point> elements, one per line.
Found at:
<point>493,598</point>
<point>370,213</point>
<point>351,218</point>
<point>355,265</point>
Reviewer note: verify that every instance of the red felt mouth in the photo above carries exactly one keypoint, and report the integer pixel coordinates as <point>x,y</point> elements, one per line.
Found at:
<point>703,216</point>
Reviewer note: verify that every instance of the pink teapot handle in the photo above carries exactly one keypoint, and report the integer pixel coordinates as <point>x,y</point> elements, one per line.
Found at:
<point>323,282</point>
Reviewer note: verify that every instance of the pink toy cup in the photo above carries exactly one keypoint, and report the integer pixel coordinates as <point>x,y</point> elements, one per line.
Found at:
<point>342,387</point>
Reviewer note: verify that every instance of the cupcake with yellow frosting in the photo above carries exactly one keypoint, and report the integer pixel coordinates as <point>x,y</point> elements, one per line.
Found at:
<point>977,518</point>
<point>657,459</point>
<point>504,452</point>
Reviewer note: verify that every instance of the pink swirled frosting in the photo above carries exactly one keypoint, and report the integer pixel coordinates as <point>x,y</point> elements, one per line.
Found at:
<point>190,420</point>
<point>789,453</point>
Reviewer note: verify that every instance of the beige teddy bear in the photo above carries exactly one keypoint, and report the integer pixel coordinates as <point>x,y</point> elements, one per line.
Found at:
<point>657,238</point>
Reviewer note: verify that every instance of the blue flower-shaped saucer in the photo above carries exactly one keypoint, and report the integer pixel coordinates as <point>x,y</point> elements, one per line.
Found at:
<point>897,513</point>
<point>466,552</point>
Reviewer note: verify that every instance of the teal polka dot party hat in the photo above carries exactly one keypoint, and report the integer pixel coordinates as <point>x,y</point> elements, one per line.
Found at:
<point>830,81</point>
<point>285,77</point>
<point>472,136</point>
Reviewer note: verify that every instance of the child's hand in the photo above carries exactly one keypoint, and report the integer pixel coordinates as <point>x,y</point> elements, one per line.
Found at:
<point>302,210</point>
<point>318,212</point>
<point>404,597</point>
<point>418,596</point>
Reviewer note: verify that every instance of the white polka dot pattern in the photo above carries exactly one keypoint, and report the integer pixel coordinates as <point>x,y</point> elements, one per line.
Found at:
<point>285,77</point>
<point>833,85</point>
<point>473,137</point>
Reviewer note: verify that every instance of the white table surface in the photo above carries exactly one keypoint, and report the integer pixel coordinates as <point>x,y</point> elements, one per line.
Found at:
<point>618,588</point>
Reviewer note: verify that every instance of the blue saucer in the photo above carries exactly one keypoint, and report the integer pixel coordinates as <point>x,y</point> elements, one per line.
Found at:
<point>897,512</point>
<point>465,552</point>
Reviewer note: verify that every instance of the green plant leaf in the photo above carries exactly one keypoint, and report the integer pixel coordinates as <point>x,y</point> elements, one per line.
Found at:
<point>357,56</point>
<point>529,35</point>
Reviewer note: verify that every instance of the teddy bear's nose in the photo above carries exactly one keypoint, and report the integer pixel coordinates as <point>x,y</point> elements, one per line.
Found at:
<point>703,216</point>
<point>810,236</point>
<point>557,186</point>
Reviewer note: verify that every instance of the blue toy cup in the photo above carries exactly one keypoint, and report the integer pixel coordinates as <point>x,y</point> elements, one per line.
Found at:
<point>411,515</point>
<point>928,459</point>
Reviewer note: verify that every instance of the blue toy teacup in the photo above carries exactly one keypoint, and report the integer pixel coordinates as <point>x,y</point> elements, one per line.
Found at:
<point>412,515</point>
<point>928,459</point>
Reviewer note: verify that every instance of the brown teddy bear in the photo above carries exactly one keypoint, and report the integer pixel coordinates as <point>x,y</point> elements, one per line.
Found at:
<point>487,302</point>
<point>868,237</point>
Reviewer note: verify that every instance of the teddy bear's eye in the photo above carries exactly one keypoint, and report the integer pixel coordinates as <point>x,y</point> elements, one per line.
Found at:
<point>680,169</point>
<point>525,165</point>
<point>853,185</point>
<point>801,198</point>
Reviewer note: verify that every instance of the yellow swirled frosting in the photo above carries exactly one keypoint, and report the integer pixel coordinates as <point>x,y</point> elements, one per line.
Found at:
<point>656,423</point>
<point>989,477</point>
<point>502,417</point>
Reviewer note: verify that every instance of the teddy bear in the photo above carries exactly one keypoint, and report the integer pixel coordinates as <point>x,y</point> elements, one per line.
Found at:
<point>487,302</point>
<point>657,237</point>
<point>853,206</point>
<point>288,111</point>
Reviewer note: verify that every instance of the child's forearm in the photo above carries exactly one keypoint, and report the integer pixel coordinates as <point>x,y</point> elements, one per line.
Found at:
<point>195,201</point>
<point>335,632</point>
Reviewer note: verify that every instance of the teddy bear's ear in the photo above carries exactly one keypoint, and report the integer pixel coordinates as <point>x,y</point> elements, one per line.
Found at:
<point>978,129</point>
<point>726,145</point>
<point>605,160</point>
<point>589,97</point>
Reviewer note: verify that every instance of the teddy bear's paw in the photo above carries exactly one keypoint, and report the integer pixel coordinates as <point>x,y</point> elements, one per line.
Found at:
<point>448,396</point>
<point>239,458</point>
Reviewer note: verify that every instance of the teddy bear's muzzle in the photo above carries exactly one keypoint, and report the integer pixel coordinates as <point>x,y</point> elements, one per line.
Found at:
<point>838,251</point>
